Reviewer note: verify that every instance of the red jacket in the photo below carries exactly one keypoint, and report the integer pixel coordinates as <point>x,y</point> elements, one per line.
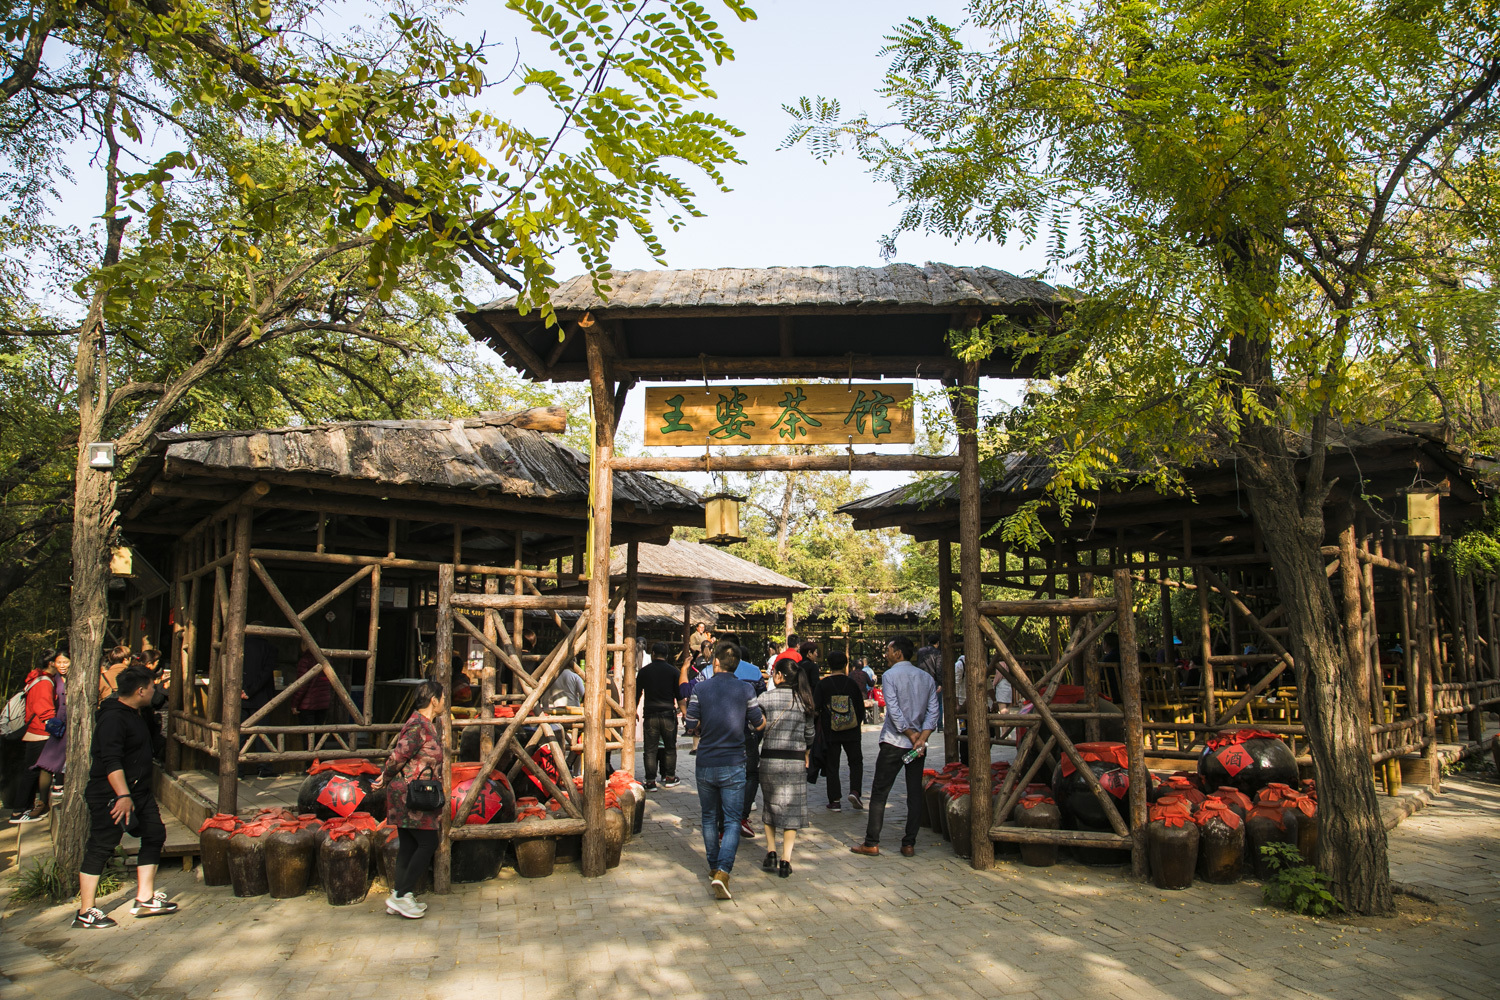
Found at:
<point>316,694</point>
<point>41,703</point>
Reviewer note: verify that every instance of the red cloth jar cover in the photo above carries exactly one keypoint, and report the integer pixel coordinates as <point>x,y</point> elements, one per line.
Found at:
<point>1106,753</point>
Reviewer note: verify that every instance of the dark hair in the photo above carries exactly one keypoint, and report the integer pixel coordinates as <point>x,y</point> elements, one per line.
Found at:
<point>131,680</point>
<point>1112,640</point>
<point>837,661</point>
<point>792,675</point>
<point>660,650</point>
<point>48,656</point>
<point>793,640</point>
<point>426,691</point>
<point>808,648</point>
<point>723,651</point>
<point>931,638</point>
<point>119,654</point>
<point>902,643</point>
<point>151,657</point>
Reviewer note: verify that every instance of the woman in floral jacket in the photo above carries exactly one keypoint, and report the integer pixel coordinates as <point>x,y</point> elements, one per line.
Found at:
<point>417,753</point>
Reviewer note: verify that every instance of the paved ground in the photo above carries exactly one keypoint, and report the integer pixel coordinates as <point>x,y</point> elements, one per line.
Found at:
<point>842,926</point>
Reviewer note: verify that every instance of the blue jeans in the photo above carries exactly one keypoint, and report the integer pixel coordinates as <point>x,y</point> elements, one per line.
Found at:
<point>721,794</point>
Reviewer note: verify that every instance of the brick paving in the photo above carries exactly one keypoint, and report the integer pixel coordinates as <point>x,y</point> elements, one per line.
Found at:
<point>843,926</point>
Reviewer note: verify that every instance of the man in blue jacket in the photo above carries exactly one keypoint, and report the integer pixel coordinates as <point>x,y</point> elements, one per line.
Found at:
<point>719,712</point>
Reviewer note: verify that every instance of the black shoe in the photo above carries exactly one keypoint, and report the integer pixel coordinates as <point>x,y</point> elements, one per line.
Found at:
<point>693,752</point>
<point>786,870</point>
<point>93,919</point>
<point>769,864</point>
<point>650,786</point>
<point>670,782</point>
<point>157,905</point>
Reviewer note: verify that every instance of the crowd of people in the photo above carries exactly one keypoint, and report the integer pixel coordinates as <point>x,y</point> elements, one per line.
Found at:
<point>777,730</point>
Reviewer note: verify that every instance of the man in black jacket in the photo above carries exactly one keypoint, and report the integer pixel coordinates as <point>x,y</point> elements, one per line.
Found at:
<point>120,800</point>
<point>840,701</point>
<point>656,690</point>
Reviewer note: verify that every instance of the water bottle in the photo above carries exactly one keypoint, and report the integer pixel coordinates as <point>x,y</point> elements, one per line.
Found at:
<point>913,754</point>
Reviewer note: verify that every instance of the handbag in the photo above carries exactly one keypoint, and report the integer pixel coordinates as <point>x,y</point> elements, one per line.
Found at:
<point>424,794</point>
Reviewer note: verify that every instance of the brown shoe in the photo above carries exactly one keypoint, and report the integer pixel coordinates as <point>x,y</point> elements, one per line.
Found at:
<point>868,850</point>
<point>907,850</point>
<point>720,885</point>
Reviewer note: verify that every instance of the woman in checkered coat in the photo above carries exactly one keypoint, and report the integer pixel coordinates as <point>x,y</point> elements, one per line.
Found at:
<point>783,760</point>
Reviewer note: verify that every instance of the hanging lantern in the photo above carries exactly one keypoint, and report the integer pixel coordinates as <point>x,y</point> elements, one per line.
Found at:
<point>1422,517</point>
<point>121,561</point>
<point>722,522</point>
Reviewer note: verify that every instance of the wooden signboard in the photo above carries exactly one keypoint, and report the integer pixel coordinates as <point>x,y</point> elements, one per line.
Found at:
<point>839,413</point>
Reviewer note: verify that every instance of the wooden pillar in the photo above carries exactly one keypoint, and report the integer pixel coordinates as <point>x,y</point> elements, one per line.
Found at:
<point>601,384</point>
<point>1430,652</point>
<point>945,638</point>
<point>175,663</point>
<point>1354,627</point>
<point>687,625</point>
<point>372,645</point>
<point>791,621</point>
<point>218,603</point>
<point>232,656</point>
<point>442,655</point>
<point>1130,694</point>
<point>518,587</point>
<point>1470,615</point>
<point>491,666</point>
<point>1206,639</point>
<point>966,410</point>
<point>632,658</point>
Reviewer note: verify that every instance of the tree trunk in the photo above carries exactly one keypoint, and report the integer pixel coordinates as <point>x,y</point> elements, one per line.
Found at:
<point>1351,834</point>
<point>93,514</point>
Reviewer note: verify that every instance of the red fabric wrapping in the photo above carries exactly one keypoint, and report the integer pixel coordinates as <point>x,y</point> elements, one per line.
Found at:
<point>1108,753</point>
<point>1229,736</point>
<point>1172,814</point>
<point>1266,811</point>
<point>956,789</point>
<point>1032,801</point>
<point>1305,803</point>
<point>1275,793</point>
<point>362,821</point>
<point>611,800</point>
<point>350,766</point>
<point>1175,802</point>
<point>255,829</point>
<point>527,801</point>
<point>220,821</point>
<point>505,711</point>
<point>1067,694</point>
<point>1214,807</point>
<point>532,812</point>
<point>1235,796</point>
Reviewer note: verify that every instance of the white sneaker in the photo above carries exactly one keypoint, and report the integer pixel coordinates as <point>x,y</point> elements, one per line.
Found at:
<point>403,906</point>
<point>414,901</point>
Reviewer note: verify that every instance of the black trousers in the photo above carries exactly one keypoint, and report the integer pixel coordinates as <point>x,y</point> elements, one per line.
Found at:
<point>660,734</point>
<point>414,851</point>
<point>887,766</point>
<point>24,788</point>
<point>105,833</point>
<point>849,744</point>
<point>752,770</point>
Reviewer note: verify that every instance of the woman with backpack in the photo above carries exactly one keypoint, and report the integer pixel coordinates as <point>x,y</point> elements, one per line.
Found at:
<point>42,697</point>
<point>789,711</point>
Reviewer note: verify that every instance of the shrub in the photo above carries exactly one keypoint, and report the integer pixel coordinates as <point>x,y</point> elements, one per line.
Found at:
<point>1296,885</point>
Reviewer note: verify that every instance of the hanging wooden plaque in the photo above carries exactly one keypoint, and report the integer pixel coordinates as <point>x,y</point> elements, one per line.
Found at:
<point>840,413</point>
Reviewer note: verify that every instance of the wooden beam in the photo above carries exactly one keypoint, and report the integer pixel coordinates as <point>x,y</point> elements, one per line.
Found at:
<point>592,863</point>
<point>232,658</point>
<point>858,462</point>
<point>1058,606</point>
<point>965,404</point>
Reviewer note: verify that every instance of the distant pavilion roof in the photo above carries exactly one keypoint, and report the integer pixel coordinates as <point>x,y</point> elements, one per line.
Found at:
<point>769,322</point>
<point>682,571</point>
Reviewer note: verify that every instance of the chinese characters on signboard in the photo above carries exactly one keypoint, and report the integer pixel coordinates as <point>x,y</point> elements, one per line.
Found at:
<point>859,413</point>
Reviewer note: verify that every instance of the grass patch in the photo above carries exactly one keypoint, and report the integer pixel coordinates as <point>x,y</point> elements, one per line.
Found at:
<point>1296,885</point>
<point>44,882</point>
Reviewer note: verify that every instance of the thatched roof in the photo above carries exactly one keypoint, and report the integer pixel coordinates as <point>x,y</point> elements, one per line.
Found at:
<point>1386,461</point>
<point>743,322</point>
<point>474,454</point>
<point>688,571</point>
<point>939,286</point>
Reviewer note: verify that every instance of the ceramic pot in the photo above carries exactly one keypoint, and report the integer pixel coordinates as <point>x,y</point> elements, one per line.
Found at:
<point>345,861</point>
<point>1172,847</point>
<point>1221,850</point>
<point>615,825</point>
<point>213,848</point>
<point>290,860</point>
<point>247,863</point>
<point>957,817</point>
<point>535,856</point>
<point>1038,813</point>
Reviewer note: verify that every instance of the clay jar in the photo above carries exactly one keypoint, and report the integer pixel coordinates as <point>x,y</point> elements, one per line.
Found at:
<point>1181,785</point>
<point>344,858</point>
<point>1267,824</point>
<point>956,814</point>
<point>1247,759</point>
<point>1071,792</point>
<point>535,856</point>
<point>934,799</point>
<point>1221,842</point>
<point>928,777</point>
<point>340,788</point>
<point>247,860</point>
<point>1172,846</point>
<point>213,847</point>
<point>480,860</point>
<point>1306,808</point>
<point>1038,812</point>
<point>1236,800</point>
<point>569,847</point>
<point>615,825</point>
<point>290,859</point>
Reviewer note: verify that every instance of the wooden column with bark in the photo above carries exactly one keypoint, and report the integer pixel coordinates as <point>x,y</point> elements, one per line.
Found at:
<point>966,410</point>
<point>950,655</point>
<point>442,657</point>
<point>601,385</point>
<point>232,660</point>
<point>632,659</point>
